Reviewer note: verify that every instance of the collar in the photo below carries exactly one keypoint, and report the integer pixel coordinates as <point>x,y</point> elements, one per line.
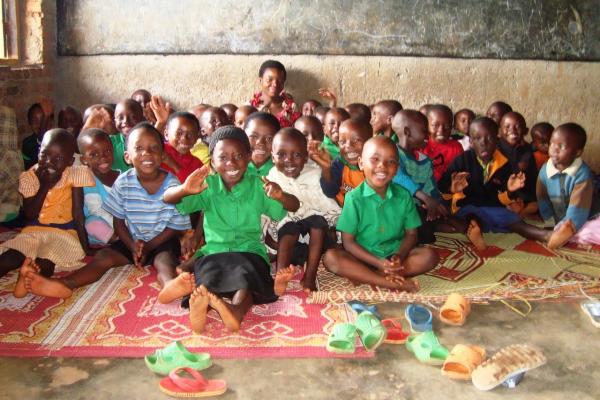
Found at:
<point>570,170</point>
<point>238,190</point>
<point>498,161</point>
<point>368,191</point>
<point>265,167</point>
<point>347,164</point>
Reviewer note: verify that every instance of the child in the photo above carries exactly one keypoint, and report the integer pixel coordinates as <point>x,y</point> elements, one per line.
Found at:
<point>181,134</point>
<point>70,119</point>
<point>440,148</point>
<point>308,108</point>
<point>381,118</point>
<point>241,114</point>
<point>311,128</point>
<point>97,154</point>
<point>261,128</point>
<point>415,174</point>
<point>316,213</point>
<point>333,119</point>
<point>53,205</point>
<point>39,122</point>
<point>230,110</point>
<point>540,139</point>
<point>146,226</point>
<point>378,225</point>
<point>565,190</point>
<point>212,118</point>
<point>320,113</point>
<point>272,97</point>
<point>343,174</point>
<point>496,111</point>
<point>520,156</point>
<point>100,116</point>
<point>462,121</point>
<point>198,109</point>
<point>233,262</point>
<point>359,111</point>
<point>128,113</point>
<point>481,184</point>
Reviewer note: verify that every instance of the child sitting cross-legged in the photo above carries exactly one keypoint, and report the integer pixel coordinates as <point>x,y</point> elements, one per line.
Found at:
<point>379,224</point>
<point>233,262</point>
<point>146,226</point>
<point>317,212</point>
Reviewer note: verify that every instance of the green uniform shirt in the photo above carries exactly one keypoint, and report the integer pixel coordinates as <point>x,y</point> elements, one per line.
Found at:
<point>332,148</point>
<point>378,224</point>
<point>118,142</point>
<point>394,137</point>
<point>232,220</point>
<point>263,170</point>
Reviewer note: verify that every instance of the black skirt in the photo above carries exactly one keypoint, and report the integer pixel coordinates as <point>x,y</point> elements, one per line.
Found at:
<point>226,273</point>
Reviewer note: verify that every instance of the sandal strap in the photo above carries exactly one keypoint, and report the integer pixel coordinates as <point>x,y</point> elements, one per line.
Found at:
<point>198,383</point>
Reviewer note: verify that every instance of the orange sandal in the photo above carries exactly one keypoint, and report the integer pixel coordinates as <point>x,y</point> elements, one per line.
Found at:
<point>462,361</point>
<point>455,310</point>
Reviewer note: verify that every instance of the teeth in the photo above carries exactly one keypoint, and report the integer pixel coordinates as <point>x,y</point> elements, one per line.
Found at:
<point>232,173</point>
<point>380,175</point>
<point>291,169</point>
<point>104,165</point>
<point>147,162</point>
<point>352,155</point>
<point>260,152</point>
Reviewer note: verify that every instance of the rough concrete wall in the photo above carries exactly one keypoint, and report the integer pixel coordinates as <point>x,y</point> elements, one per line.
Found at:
<point>33,78</point>
<point>557,92</point>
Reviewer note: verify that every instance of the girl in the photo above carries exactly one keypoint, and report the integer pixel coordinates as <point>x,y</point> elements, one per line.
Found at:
<point>233,262</point>
<point>272,98</point>
<point>97,153</point>
<point>53,205</point>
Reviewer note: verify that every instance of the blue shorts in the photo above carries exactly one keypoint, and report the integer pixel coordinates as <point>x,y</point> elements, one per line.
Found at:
<point>492,219</point>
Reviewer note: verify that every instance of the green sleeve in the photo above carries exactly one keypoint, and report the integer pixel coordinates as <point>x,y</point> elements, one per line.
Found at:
<point>193,203</point>
<point>273,209</point>
<point>348,221</point>
<point>413,220</point>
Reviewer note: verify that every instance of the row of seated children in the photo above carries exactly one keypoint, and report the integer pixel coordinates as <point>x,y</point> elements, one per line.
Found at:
<point>392,178</point>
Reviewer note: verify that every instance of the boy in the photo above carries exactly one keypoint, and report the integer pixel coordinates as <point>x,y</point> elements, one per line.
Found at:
<point>540,140</point>
<point>181,134</point>
<point>40,121</point>
<point>496,111</point>
<point>242,114</point>
<point>128,113</point>
<point>331,127</point>
<point>143,97</point>
<point>359,111</point>
<point>211,119</point>
<point>147,227</point>
<point>308,108</point>
<point>311,128</point>
<point>565,190</point>
<point>316,213</point>
<point>343,174</point>
<point>230,110</point>
<point>70,119</point>
<point>378,225</point>
<point>261,128</point>
<point>462,121</point>
<point>381,118</point>
<point>440,148</point>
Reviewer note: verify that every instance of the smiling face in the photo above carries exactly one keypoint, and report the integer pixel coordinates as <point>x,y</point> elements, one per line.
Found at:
<point>483,140</point>
<point>333,120</point>
<point>513,128</point>
<point>563,149</point>
<point>56,153</point>
<point>260,134</point>
<point>181,134</point>
<point>212,119</point>
<point>230,160</point>
<point>439,125</point>
<point>379,162</point>
<point>272,82</point>
<point>128,114</point>
<point>97,153</point>
<point>308,108</point>
<point>310,127</point>
<point>353,136</point>
<point>289,154</point>
<point>144,152</point>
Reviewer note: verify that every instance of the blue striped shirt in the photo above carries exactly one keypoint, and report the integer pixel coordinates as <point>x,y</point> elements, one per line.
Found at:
<point>146,215</point>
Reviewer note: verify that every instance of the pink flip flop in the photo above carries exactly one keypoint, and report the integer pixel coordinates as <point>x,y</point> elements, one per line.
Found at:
<point>176,385</point>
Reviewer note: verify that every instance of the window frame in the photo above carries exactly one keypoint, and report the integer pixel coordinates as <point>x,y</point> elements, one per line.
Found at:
<point>10,23</point>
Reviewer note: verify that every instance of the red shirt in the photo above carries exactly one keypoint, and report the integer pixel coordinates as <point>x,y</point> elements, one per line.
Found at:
<point>441,155</point>
<point>187,163</point>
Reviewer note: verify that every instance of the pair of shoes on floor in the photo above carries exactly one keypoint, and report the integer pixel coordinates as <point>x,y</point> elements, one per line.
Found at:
<point>369,328</point>
<point>181,367</point>
<point>454,312</point>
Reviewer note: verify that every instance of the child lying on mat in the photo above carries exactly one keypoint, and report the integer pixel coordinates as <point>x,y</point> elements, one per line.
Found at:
<point>379,224</point>
<point>233,263</point>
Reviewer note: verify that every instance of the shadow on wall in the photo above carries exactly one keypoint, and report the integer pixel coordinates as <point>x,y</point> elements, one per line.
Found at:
<point>304,86</point>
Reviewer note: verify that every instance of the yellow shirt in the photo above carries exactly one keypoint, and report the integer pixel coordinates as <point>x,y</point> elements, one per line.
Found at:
<point>200,151</point>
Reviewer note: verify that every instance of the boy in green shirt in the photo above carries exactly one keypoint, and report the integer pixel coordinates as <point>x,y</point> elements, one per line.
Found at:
<point>379,224</point>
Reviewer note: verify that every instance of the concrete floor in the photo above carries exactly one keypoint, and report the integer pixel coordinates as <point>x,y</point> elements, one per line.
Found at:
<point>567,337</point>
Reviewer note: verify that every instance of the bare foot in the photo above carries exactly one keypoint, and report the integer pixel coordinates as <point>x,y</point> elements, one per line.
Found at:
<point>561,236</point>
<point>198,309</point>
<point>475,236</point>
<point>47,287</point>
<point>403,284</point>
<point>28,265</point>
<point>282,277</point>
<point>232,323</point>
<point>176,288</point>
<point>309,284</point>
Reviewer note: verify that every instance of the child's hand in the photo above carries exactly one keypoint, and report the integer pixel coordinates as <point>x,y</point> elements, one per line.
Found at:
<point>149,114</point>
<point>459,182</point>
<point>194,183</point>
<point>433,208</point>
<point>100,119</point>
<point>272,189</point>
<point>330,95</point>
<point>139,253</point>
<point>160,108</point>
<point>319,155</point>
<point>45,178</point>
<point>394,265</point>
<point>516,182</point>
<point>189,245</point>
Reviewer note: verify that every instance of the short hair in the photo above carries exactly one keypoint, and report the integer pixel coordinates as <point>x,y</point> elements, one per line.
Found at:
<point>485,122</point>
<point>359,110</point>
<point>385,141</point>
<point>91,134</point>
<point>464,111</point>
<point>228,132</point>
<point>363,127</point>
<point>294,134</point>
<point>271,64</point>
<point>185,115</point>
<point>143,92</point>
<point>576,132</point>
<point>506,108</point>
<point>135,106</point>
<point>339,110</point>
<point>393,106</point>
<point>32,109</point>
<point>62,137</point>
<point>542,126</point>
<point>264,117</point>
<point>442,108</point>
<point>150,128</point>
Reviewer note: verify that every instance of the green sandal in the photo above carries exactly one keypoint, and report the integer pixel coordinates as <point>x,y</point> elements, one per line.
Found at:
<point>342,339</point>
<point>175,355</point>
<point>371,330</point>
<point>427,348</point>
